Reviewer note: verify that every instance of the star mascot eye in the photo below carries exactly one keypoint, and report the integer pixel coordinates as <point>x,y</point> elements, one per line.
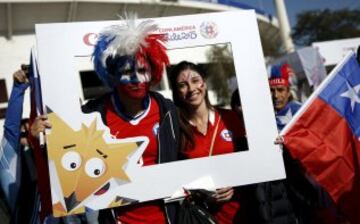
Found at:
<point>95,167</point>
<point>71,161</point>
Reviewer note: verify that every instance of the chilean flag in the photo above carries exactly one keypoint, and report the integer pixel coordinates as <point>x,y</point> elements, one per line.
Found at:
<point>325,137</point>
<point>38,151</point>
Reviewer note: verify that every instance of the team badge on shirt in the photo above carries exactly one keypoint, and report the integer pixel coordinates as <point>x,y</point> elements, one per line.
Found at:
<point>155,129</point>
<point>226,135</point>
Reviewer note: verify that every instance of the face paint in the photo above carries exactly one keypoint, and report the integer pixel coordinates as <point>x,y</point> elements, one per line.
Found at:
<point>138,91</point>
<point>191,87</point>
<point>132,76</point>
<point>189,77</point>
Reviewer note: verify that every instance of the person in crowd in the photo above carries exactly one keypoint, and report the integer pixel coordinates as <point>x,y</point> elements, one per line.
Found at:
<point>294,199</point>
<point>129,59</point>
<point>207,131</point>
<point>236,106</point>
<point>4,210</point>
<point>18,173</point>
<point>235,103</point>
<point>284,105</point>
<point>20,185</point>
<point>271,201</point>
<point>307,202</point>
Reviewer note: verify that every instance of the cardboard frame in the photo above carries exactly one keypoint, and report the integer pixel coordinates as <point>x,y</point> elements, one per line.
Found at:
<point>58,44</point>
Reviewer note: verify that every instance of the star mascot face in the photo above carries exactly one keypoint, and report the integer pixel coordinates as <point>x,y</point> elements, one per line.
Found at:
<point>84,163</point>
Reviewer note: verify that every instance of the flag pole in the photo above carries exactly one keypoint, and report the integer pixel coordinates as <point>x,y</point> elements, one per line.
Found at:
<point>39,108</point>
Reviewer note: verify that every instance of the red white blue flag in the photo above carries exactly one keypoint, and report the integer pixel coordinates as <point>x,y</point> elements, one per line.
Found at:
<point>325,137</point>
<point>39,151</point>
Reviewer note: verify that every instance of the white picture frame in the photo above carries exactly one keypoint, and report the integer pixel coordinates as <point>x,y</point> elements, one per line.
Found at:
<point>58,44</point>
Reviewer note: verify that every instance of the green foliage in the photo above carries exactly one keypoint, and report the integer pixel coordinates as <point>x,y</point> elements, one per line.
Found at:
<point>322,25</point>
<point>219,71</point>
<point>273,49</point>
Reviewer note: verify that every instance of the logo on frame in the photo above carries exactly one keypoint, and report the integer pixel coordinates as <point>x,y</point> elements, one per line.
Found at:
<point>209,30</point>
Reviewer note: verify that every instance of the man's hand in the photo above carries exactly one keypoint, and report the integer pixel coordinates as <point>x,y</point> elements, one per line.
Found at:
<point>39,125</point>
<point>279,140</point>
<point>20,77</point>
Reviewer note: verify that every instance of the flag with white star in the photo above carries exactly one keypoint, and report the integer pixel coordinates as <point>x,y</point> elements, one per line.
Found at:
<point>284,116</point>
<point>325,137</point>
<point>343,94</point>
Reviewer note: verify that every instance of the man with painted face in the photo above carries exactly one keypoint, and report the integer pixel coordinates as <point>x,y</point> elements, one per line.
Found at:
<point>284,105</point>
<point>129,59</point>
<point>290,200</point>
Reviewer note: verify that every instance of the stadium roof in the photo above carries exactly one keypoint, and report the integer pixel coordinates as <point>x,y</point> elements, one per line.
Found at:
<point>20,16</point>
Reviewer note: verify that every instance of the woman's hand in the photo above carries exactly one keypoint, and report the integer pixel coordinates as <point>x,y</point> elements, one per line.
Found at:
<point>223,194</point>
<point>39,125</point>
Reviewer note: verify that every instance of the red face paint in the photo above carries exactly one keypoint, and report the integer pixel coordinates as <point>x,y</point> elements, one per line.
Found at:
<point>136,85</point>
<point>135,91</point>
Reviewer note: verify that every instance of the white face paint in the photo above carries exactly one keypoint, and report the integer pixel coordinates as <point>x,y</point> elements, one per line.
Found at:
<point>135,72</point>
<point>134,77</point>
<point>142,71</point>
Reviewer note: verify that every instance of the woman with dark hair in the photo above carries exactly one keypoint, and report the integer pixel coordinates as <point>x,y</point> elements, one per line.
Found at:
<point>207,131</point>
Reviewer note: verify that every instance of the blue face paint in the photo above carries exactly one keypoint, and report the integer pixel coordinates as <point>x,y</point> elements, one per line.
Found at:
<point>128,70</point>
<point>123,70</point>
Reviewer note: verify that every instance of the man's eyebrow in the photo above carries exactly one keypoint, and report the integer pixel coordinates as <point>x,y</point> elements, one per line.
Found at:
<point>101,153</point>
<point>69,146</point>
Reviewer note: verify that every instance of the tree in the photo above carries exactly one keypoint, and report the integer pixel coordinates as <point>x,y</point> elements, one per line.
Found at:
<point>322,25</point>
<point>220,69</point>
<point>273,49</point>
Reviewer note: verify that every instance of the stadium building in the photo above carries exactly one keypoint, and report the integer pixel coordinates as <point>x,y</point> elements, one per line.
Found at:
<point>18,19</point>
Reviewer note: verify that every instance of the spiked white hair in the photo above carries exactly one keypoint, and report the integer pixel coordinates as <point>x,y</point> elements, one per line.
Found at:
<point>128,39</point>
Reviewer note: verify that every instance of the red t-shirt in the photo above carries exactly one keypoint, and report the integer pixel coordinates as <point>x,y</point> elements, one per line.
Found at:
<point>230,127</point>
<point>146,124</point>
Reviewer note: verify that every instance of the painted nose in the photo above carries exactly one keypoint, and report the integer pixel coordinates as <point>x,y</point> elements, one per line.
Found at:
<point>134,78</point>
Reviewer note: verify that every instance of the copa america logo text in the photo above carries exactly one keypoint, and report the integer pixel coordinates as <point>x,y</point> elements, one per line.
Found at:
<point>209,30</point>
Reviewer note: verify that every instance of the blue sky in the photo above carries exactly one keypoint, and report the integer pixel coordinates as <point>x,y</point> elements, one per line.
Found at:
<point>296,6</point>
